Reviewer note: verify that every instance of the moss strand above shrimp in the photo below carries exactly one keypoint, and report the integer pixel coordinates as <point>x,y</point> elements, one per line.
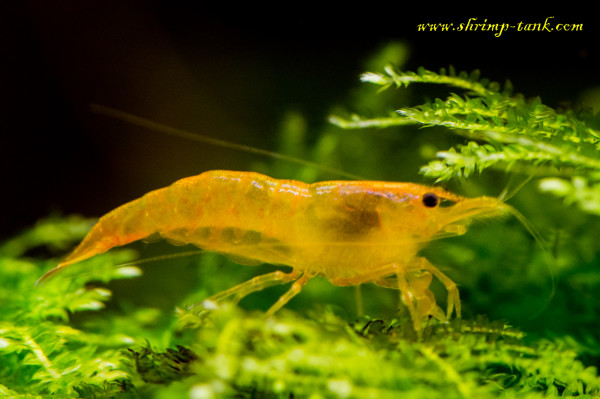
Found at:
<point>350,232</point>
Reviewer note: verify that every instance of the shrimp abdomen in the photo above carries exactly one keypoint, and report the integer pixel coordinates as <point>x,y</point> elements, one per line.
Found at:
<point>208,210</point>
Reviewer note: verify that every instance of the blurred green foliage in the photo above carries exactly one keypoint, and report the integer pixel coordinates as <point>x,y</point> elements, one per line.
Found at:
<point>101,331</point>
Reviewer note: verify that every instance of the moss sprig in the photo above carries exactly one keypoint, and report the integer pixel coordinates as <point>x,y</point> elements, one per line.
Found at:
<point>504,131</point>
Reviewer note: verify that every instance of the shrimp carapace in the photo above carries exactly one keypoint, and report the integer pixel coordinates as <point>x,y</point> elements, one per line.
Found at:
<point>350,232</point>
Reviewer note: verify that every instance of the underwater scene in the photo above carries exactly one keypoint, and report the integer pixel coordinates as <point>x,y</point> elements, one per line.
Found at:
<point>207,205</point>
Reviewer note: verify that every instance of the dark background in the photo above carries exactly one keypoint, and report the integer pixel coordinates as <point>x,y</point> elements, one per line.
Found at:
<point>229,74</point>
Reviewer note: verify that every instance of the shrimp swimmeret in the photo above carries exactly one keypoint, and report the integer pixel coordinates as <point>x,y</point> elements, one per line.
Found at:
<point>350,232</point>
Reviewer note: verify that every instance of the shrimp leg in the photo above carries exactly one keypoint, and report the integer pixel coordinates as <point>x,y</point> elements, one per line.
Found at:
<point>371,276</point>
<point>259,283</point>
<point>451,288</point>
<point>293,291</point>
<point>414,286</point>
<point>419,288</point>
<point>409,299</point>
<point>415,289</point>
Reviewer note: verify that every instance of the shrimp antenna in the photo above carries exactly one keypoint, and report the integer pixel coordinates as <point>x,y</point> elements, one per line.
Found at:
<point>504,196</point>
<point>152,259</point>
<point>159,127</point>
<point>159,258</point>
<point>549,259</point>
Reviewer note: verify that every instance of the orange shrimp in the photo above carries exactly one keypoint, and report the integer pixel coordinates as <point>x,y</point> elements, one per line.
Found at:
<point>350,232</point>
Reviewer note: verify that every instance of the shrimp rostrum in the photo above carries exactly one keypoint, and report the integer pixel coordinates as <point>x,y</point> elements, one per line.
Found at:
<point>350,232</point>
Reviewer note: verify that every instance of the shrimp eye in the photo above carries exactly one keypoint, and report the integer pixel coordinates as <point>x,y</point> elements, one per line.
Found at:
<point>430,200</point>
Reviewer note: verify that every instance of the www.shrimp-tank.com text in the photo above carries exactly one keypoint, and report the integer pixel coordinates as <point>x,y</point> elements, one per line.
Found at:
<point>498,28</point>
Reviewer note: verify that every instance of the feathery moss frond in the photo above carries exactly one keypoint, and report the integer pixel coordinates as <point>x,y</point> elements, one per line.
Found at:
<point>504,130</point>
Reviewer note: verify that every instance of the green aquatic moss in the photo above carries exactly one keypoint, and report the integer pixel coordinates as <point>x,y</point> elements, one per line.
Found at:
<point>230,352</point>
<point>101,331</point>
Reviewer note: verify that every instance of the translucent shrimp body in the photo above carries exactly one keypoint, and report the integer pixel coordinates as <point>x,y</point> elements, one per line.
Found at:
<point>350,232</point>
